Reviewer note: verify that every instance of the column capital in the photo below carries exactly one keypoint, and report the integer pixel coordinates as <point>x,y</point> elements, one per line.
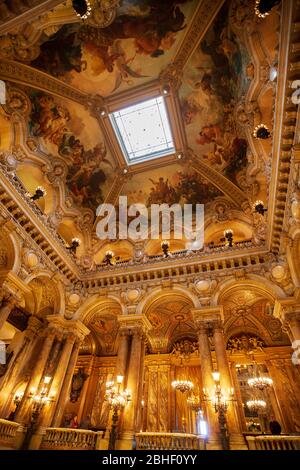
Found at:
<point>68,326</point>
<point>13,285</point>
<point>209,317</point>
<point>134,323</point>
<point>287,310</point>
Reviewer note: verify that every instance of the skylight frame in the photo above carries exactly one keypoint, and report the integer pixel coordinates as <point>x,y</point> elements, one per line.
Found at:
<point>170,145</point>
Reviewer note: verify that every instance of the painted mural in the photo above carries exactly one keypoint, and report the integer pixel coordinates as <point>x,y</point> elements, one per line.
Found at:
<point>134,48</point>
<point>173,184</point>
<point>67,131</point>
<point>214,80</point>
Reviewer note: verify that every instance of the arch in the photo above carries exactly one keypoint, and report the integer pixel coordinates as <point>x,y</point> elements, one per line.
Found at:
<point>161,293</point>
<point>10,258</point>
<point>57,286</point>
<point>87,309</point>
<point>266,288</point>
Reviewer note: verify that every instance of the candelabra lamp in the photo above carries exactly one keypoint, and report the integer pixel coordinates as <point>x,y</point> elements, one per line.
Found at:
<point>228,234</point>
<point>74,245</point>
<point>17,400</point>
<point>220,401</point>
<point>117,400</point>
<point>39,193</point>
<point>39,400</point>
<point>108,259</point>
<point>259,207</point>
<point>165,248</point>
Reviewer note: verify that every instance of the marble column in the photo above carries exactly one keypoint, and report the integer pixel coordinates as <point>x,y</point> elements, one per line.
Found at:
<point>234,427</point>
<point>134,368</point>
<point>288,312</point>
<point>58,378</point>
<point>294,325</point>
<point>6,307</point>
<point>9,381</point>
<point>123,349</point>
<point>65,390</point>
<point>36,376</point>
<point>208,385</point>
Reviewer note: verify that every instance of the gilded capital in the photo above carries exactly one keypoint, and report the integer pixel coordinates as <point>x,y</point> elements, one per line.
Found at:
<point>287,310</point>
<point>209,317</point>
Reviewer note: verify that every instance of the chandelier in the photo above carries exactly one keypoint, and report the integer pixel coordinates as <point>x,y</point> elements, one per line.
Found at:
<point>182,385</point>
<point>261,383</point>
<point>256,405</point>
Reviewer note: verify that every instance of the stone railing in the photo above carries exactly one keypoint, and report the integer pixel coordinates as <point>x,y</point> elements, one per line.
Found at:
<point>273,442</point>
<point>169,441</point>
<point>8,431</point>
<point>69,439</point>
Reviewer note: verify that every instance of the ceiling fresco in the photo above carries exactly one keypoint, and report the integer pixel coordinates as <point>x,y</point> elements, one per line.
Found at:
<point>66,130</point>
<point>145,38</point>
<point>130,51</point>
<point>215,78</point>
<point>171,184</point>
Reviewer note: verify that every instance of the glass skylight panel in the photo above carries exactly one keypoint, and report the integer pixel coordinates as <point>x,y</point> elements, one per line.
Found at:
<point>143,130</point>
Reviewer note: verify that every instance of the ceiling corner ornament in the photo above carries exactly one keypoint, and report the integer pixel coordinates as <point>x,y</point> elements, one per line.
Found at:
<point>18,72</point>
<point>82,8</point>
<point>263,7</point>
<point>103,12</point>
<point>171,77</point>
<point>18,47</point>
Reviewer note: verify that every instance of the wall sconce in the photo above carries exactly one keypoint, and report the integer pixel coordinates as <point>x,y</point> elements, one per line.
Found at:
<point>117,400</point>
<point>258,207</point>
<point>261,132</point>
<point>39,193</point>
<point>39,400</point>
<point>228,234</point>
<point>165,248</point>
<point>82,8</point>
<point>264,7</point>
<point>17,400</point>
<point>220,402</point>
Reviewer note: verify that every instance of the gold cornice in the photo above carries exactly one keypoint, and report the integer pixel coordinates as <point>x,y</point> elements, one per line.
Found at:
<point>284,124</point>
<point>17,72</point>
<point>30,14</point>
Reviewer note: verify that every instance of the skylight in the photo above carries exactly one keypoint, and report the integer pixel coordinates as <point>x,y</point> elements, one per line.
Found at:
<point>143,130</point>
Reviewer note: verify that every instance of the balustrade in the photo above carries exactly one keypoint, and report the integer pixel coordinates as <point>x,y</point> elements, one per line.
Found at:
<point>169,441</point>
<point>69,439</point>
<point>8,431</point>
<point>273,442</point>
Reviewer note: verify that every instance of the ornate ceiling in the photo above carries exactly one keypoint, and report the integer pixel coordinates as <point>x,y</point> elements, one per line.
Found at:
<point>68,74</point>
